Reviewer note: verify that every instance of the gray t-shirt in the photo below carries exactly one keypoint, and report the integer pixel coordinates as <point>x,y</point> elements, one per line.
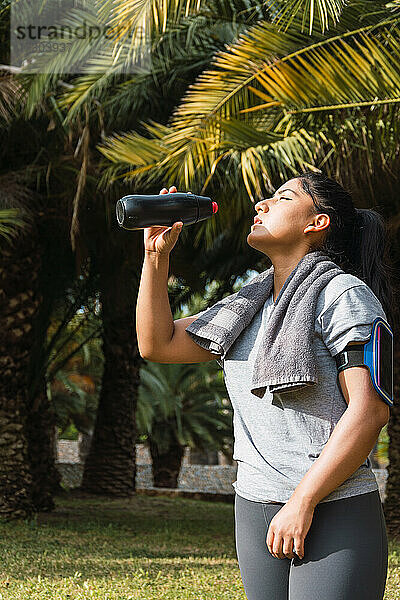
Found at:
<point>278,437</point>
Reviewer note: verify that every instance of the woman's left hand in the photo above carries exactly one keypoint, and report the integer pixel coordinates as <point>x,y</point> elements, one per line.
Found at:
<point>289,528</point>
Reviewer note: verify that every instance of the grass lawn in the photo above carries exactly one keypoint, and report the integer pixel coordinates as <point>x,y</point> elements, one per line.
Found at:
<point>141,548</point>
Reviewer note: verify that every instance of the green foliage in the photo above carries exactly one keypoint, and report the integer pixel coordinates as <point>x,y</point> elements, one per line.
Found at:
<point>186,403</point>
<point>75,362</point>
<point>75,339</point>
<point>382,451</point>
<point>74,406</point>
<point>69,433</point>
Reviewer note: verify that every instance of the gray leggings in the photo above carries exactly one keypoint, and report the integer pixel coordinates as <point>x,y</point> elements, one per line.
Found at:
<point>345,552</point>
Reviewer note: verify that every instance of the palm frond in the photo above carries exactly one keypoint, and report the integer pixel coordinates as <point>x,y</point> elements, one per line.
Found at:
<point>292,73</point>
<point>134,17</point>
<point>12,222</point>
<point>322,12</point>
<point>183,401</point>
<point>349,70</point>
<point>10,97</point>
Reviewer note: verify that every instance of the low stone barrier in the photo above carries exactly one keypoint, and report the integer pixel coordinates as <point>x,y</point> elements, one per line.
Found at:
<point>193,478</point>
<point>216,479</point>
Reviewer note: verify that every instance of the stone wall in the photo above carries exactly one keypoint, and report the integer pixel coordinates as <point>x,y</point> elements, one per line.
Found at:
<point>68,451</point>
<point>201,478</point>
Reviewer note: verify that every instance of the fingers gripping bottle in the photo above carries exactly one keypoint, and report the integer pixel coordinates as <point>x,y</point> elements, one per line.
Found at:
<point>140,211</point>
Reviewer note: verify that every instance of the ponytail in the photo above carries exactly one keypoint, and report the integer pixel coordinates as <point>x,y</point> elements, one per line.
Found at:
<point>370,258</point>
<point>356,240</point>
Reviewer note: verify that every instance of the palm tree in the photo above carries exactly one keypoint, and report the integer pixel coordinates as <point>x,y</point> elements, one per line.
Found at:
<point>35,270</point>
<point>109,467</point>
<point>181,405</point>
<point>19,300</point>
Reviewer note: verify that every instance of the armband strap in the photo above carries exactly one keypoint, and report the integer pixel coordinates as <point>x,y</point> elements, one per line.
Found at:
<point>376,354</point>
<point>351,356</point>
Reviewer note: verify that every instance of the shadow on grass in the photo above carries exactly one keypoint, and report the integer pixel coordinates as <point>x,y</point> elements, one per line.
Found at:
<point>97,535</point>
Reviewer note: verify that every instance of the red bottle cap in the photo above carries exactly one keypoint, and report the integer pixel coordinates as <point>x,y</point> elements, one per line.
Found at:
<point>215,207</point>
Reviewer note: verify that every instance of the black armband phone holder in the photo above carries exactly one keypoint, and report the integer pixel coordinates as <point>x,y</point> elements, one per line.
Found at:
<point>377,355</point>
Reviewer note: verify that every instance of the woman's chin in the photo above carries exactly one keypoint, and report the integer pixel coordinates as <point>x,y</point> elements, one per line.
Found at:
<point>258,242</point>
<point>257,233</point>
<point>255,242</point>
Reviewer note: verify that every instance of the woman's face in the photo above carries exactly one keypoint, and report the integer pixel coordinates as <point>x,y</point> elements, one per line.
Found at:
<point>282,222</point>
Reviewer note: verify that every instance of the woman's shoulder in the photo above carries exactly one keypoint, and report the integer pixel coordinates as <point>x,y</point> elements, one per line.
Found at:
<point>345,312</point>
<point>337,286</point>
<point>347,297</point>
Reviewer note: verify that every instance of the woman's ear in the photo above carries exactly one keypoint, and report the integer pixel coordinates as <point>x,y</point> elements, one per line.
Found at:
<point>320,223</point>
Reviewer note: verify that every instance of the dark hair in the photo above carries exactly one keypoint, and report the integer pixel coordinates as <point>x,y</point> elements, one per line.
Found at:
<point>356,238</point>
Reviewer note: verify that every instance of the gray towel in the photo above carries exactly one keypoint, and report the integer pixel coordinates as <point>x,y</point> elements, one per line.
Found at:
<point>285,360</point>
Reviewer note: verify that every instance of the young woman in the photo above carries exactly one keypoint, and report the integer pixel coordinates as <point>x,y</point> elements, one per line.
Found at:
<point>309,523</point>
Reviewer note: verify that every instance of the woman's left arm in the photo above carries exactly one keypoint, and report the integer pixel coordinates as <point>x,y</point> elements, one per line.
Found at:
<point>349,445</point>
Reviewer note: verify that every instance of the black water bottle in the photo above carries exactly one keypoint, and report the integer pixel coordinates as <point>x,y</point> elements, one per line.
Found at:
<point>137,211</point>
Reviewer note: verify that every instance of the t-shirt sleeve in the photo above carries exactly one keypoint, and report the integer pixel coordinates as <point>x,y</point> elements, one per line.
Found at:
<point>349,318</point>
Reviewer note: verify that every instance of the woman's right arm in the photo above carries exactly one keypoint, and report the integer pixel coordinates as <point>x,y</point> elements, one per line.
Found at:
<point>160,338</point>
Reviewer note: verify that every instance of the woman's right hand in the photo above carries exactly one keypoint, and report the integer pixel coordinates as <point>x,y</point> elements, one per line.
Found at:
<point>162,239</point>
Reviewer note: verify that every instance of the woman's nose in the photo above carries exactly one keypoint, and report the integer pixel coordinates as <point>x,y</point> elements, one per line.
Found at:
<point>262,205</point>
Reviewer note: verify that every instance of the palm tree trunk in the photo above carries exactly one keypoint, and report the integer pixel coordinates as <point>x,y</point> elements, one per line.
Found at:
<point>19,303</point>
<point>41,434</point>
<point>392,501</point>
<point>167,465</point>
<point>15,476</point>
<point>110,467</point>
